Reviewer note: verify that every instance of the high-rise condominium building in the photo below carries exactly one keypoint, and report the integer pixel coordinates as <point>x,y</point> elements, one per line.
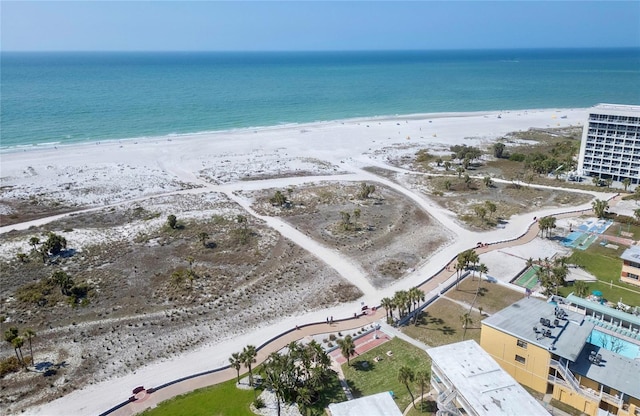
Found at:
<point>610,147</point>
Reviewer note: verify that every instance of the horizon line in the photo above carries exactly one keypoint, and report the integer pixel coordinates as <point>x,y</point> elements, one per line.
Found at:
<point>321,50</point>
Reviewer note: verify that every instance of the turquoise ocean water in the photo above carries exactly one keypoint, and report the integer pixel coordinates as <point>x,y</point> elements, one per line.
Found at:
<point>74,97</point>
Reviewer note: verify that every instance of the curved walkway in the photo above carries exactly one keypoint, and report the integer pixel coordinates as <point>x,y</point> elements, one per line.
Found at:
<point>432,288</point>
<point>432,285</point>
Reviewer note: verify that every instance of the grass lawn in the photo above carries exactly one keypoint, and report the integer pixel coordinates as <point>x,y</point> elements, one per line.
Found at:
<point>605,264</point>
<point>492,297</point>
<point>440,324</point>
<point>223,399</point>
<point>383,375</point>
<point>226,399</point>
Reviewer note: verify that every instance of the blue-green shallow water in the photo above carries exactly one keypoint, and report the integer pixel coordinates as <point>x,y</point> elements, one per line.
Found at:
<point>74,97</point>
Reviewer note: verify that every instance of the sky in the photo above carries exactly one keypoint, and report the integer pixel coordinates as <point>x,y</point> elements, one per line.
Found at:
<point>311,26</point>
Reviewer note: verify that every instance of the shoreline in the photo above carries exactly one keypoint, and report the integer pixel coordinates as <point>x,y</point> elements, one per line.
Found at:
<point>52,145</point>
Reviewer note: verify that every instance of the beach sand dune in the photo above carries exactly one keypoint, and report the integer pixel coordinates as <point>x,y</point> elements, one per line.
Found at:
<point>294,267</point>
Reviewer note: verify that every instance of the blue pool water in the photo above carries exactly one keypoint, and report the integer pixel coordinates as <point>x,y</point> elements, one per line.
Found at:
<point>611,343</point>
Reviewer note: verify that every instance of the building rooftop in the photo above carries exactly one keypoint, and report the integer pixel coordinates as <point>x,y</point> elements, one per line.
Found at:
<point>614,370</point>
<point>606,108</point>
<point>566,339</point>
<point>482,382</point>
<point>381,404</point>
<point>598,309</point>
<point>631,254</point>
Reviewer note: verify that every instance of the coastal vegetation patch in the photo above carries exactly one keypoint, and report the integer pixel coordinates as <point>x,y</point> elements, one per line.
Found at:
<point>146,281</point>
<point>380,229</point>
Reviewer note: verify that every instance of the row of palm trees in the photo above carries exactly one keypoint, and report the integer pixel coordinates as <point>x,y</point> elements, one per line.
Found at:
<point>403,301</point>
<point>297,376</point>
<point>406,376</point>
<point>246,357</point>
<point>12,336</point>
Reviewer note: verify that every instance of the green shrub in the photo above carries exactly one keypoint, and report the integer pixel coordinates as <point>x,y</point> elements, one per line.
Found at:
<point>517,157</point>
<point>258,403</point>
<point>9,365</point>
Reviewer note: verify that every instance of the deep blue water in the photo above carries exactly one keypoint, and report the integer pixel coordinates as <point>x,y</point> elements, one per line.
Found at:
<point>71,97</point>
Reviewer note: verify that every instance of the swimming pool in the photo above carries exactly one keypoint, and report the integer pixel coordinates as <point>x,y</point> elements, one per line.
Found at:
<point>615,344</point>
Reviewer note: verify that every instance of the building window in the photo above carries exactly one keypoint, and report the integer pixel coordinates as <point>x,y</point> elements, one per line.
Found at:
<point>522,344</point>
<point>520,359</point>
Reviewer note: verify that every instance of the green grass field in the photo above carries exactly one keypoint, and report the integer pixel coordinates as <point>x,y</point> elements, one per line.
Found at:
<point>226,399</point>
<point>605,264</point>
<point>382,376</point>
<point>223,399</point>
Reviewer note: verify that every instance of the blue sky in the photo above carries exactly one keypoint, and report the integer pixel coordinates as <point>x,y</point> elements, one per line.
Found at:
<point>307,25</point>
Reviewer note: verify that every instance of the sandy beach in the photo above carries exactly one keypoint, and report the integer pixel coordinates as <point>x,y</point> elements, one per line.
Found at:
<point>229,173</point>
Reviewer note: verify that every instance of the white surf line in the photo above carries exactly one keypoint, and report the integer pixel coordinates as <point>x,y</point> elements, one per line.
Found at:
<point>345,267</point>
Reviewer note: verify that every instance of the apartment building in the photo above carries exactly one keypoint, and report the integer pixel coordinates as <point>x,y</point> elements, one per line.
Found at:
<point>554,349</point>
<point>469,382</point>
<point>631,265</point>
<point>610,147</point>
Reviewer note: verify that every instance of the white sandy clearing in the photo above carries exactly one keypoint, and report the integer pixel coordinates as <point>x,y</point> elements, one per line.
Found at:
<point>219,161</point>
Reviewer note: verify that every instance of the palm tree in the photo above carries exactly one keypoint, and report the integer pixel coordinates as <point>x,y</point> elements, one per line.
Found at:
<point>249,354</point>
<point>459,269</point>
<point>416,296</point>
<point>406,376</point>
<point>236,362</point>
<point>347,347</point>
<point>273,370</point>
<point>488,181</point>
<point>10,335</point>
<point>30,334</point>
<point>482,268</point>
<point>600,207</point>
<point>356,217</point>
<point>581,288</point>
<point>402,302</point>
<point>422,377</point>
<point>17,343</point>
<point>626,182</point>
<point>387,304</point>
<point>636,213</point>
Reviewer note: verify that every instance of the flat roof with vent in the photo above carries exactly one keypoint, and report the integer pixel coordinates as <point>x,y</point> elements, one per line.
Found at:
<point>566,339</point>
<point>483,384</point>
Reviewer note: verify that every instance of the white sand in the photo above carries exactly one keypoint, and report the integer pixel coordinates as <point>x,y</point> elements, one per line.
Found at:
<point>119,171</point>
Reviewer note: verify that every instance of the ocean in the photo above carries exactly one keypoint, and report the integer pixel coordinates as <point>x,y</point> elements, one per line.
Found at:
<point>61,98</point>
